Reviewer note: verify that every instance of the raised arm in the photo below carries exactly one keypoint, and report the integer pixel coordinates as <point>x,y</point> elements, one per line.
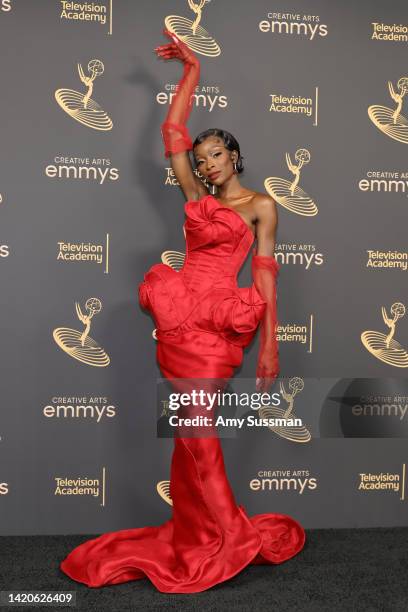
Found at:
<point>176,137</point>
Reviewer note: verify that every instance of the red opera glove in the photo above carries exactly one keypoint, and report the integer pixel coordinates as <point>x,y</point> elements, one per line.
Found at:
<point>174,131</point>
<point>265,270</point>
<point>176,138</point>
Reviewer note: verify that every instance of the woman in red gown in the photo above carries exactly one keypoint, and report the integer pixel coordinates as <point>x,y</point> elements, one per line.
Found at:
<point>203,323</point>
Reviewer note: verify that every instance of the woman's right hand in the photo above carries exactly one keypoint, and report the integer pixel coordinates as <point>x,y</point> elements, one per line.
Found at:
<point>176,137</point>
<point>176,49</point>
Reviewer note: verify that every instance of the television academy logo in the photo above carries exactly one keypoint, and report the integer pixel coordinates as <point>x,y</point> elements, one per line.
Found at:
<point>292,105</point>
<point>82,486</point>
<point>296,333</point>
<point>387,260</point>
<point>171,178</point>
<point>396,32</point>
<point>89,12</point>
<point>84,252</point>
<point>385,482</point>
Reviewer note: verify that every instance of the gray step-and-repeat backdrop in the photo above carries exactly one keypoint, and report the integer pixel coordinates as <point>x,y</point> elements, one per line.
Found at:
<point>316,94</point>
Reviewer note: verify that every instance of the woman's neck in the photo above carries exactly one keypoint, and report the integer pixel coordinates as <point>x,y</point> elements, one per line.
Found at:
<point>230,189</point>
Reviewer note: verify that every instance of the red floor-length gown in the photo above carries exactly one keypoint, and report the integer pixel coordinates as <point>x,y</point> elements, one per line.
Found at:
<point>204,321</point>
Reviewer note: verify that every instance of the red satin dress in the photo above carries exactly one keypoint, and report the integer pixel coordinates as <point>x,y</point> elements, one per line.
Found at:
<point>204,321</point>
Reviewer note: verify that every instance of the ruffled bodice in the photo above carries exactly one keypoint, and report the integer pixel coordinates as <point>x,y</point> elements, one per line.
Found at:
<point>204,294</point>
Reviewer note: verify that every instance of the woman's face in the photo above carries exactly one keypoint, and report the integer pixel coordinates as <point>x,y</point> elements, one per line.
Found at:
<point>214,160</point>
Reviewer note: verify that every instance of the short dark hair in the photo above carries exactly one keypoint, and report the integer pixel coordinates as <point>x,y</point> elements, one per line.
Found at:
<point>230,143</point>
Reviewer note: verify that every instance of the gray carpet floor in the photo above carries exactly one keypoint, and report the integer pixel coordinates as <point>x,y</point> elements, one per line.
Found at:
<point>339,569</point>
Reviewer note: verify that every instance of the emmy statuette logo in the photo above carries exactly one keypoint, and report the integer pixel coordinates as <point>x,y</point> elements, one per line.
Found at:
<point>384,347</point>
<point>390,121</point>
<point>79,345</point>
<point>289,432</point>
<point>163,489</point>
<point>289,194</point>
<point>191,33</point>
<point>174,259</point>
<point>82,107</point>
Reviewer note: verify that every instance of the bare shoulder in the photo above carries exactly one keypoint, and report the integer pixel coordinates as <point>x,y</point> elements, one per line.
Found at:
<point>265,206</point>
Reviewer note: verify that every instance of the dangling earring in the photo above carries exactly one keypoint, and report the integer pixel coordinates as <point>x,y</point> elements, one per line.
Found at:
<point>235,168</point>
<point>213,188</point>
